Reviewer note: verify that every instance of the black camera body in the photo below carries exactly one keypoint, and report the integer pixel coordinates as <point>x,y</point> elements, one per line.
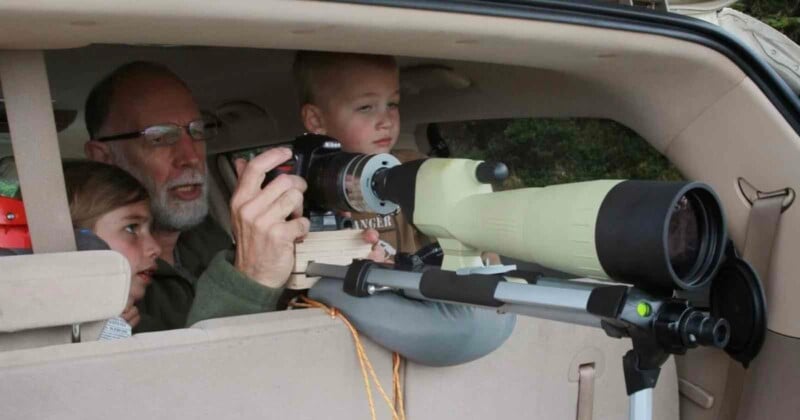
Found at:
<point>337,180</point>
<point>307,152</point>
<point>306,149</point>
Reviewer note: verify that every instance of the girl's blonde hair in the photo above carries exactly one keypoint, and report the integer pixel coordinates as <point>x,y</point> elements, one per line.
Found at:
<point>94,189</point>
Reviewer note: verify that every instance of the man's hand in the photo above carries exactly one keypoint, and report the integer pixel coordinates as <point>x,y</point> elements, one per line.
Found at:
<point>264,238</point>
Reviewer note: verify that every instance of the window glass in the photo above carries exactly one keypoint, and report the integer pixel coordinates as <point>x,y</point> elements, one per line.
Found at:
<point>5,144</point>
<point>542,152</point>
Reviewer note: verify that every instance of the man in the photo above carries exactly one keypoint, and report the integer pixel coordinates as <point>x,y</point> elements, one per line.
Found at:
<point>143,118</point>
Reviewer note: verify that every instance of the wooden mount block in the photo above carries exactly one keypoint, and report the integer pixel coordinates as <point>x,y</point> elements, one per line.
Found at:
<point>329,247</point>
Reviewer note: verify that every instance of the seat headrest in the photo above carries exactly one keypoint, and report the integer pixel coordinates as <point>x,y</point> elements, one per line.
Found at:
<point>46,290</point>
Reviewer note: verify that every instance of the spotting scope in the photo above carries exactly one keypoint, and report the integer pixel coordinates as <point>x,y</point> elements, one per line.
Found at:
<point>659,236</point>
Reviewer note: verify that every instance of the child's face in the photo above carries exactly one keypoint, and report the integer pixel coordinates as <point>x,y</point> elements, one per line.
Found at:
<point>127,231</point>
<point>362,108</point>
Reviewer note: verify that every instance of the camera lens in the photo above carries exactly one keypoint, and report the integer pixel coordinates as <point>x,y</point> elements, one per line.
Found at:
<point>326,175</point>
<point>342,181</point>
<point>683,236</point>
<point>695,237</point>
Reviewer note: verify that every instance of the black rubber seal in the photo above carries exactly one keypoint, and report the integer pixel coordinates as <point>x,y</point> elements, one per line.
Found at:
<point>477,289</point>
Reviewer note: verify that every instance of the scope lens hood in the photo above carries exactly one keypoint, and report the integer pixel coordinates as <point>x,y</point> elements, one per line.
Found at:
<point>660,236</point>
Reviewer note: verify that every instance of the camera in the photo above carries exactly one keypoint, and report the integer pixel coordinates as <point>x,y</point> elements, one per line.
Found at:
<point>337,181</point>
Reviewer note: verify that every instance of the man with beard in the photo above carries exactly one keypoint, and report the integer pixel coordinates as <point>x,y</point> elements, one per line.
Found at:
<point>143,118</point>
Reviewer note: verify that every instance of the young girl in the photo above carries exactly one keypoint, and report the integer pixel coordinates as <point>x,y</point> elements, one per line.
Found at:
<point>116,207</point>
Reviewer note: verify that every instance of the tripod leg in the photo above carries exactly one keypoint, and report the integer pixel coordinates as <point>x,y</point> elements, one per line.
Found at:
<point>641,405</point>
<point>641,367</point>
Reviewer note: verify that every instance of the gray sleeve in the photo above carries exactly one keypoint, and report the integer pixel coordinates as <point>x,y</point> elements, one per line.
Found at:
<point>429,333</point>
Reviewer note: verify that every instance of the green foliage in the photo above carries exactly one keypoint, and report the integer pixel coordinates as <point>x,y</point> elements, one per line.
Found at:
<point>783,15</point>
<point>547,151</point>
<point>542,152</point>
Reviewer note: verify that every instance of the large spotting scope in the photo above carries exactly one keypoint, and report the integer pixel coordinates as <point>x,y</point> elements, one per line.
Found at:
<point>658,236</point>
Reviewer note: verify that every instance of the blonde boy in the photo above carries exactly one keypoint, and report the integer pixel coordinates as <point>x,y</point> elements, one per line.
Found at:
<point>355,98</point>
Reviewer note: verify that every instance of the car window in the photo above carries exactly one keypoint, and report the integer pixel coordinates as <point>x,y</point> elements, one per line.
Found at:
<point>5,144</point>
<point>542,152</point>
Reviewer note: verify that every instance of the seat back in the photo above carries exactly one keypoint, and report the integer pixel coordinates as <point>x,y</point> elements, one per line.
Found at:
<point>42,295</point>
<point>292,364</point>
<point>535,374</point>
<point>302,364</point>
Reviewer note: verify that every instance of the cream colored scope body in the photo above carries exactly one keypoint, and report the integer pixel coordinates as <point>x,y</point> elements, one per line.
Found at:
<point>659,236</point>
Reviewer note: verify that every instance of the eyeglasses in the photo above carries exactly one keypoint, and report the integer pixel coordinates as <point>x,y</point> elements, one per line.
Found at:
<point>169,133</point>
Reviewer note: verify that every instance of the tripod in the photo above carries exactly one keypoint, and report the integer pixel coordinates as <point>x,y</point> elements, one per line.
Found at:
<point>657,326</point>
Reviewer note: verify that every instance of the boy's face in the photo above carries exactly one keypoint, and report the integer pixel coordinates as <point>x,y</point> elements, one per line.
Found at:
<point>360,107</point>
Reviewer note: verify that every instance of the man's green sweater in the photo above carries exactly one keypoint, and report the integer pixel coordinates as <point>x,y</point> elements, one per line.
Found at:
<point>202,284</point>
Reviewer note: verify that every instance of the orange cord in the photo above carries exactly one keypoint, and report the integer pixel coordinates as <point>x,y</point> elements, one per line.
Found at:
<point>397,360</point>
<point>367,371</point>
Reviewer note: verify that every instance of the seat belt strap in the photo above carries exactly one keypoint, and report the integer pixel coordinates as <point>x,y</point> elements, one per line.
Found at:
<point>762,226</point>
<point>586,374</point>
<point>23,77</point>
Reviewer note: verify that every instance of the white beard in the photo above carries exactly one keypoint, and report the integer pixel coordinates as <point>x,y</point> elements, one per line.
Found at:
<point>169,213</point>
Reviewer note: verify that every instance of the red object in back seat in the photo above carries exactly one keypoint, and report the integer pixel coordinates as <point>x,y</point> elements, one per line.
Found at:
<point>13,225</point>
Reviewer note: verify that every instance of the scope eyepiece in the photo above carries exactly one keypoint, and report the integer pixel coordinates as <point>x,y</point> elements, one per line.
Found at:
<point>679,326</point>
<point>705,330</point>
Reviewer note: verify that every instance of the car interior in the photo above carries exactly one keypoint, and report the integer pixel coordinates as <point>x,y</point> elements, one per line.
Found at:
<point>690,101</point>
